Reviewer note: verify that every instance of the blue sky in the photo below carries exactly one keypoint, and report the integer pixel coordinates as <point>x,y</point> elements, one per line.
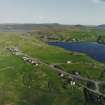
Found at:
<point>53,11</point>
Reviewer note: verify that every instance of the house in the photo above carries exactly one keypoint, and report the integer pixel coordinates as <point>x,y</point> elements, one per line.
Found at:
<point>13,53</point>
<point>69,62</point>
<point>76,73</point>
<point>17,53</point>
<point>74,40</point>
<point>61,75</point>
<point>16,49</point>
<point>36,64</point>
<point>25,58</point>
<point>72,83</point>
<point>30,60</point>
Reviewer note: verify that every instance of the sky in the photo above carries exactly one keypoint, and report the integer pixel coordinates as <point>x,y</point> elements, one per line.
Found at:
<point>86,12</point>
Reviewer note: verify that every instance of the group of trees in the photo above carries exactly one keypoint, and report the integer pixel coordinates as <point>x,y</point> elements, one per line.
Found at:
<point>101,40</point>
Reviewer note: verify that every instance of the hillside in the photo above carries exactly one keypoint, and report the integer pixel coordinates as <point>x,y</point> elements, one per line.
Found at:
<point>23,28</point>
<point>69,33</point>
<point>57,32</point>
<point>21,83</point>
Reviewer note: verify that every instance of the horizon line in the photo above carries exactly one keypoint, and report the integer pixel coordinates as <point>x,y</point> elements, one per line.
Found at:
<point>49,23</point>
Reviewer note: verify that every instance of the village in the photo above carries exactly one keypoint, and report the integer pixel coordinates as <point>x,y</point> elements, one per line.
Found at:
<point>91,87</point>
<point>26,58</point>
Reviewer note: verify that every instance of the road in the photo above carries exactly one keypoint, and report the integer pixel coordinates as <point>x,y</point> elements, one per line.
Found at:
<point>81,79</point>
<point>75,77</point>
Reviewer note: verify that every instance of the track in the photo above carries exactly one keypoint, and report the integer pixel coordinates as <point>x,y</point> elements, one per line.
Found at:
<point>79,78</point>
<point>6,68</point>
<point>96,91</point>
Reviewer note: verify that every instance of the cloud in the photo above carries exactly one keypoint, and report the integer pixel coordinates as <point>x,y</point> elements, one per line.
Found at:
<point>48,17</point>
<point>98,1</point>
<point>102,0</point>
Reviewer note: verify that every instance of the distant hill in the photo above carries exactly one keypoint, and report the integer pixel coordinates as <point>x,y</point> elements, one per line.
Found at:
<point>22,83</point>
<point>24,27</point>
<point>35,27</point>
<point>16,27</point>
<point>101,26</point>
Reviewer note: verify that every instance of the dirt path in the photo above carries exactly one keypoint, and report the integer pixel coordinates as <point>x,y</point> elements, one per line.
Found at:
<point>6,68</point>
<point>79,78</point>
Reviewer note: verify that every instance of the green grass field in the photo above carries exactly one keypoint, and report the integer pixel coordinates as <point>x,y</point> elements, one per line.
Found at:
<point>70,34</point>
<point>23,84</point>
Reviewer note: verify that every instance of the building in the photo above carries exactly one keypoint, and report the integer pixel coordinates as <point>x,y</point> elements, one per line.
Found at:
<point>69,62</point>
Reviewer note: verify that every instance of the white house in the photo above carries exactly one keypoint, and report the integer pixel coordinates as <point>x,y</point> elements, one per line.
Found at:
<point>69,62</point>
<point>72,83</point>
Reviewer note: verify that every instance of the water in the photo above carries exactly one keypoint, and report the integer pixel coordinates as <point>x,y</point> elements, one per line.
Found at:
<point>94,50</point>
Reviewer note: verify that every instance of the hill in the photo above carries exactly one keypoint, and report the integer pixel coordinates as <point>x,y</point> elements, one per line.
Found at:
<point>21,83</point>
<point>28,27</point>
<point>101,26</point>
<point>57,32</point>
<point>68,33</point>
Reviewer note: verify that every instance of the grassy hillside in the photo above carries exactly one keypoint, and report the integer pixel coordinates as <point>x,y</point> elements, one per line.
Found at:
<point>24,84</point>
<point>76,33</point>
